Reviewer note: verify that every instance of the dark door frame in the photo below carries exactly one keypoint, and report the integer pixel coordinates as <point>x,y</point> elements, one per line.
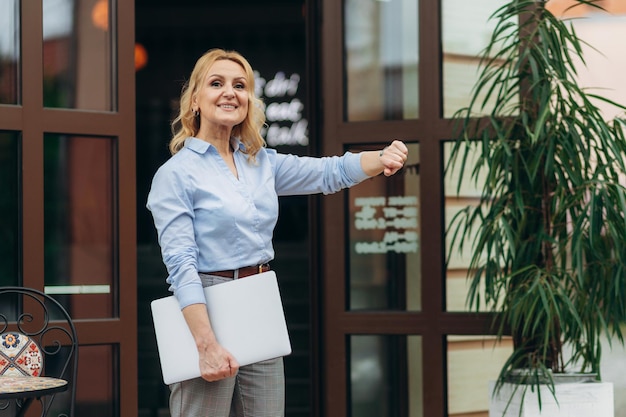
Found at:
<point>432,323</point>
<point>33,120</point>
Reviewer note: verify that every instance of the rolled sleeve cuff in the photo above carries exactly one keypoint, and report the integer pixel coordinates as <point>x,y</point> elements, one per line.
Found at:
<point>190,294</point>
<point>353,167</point>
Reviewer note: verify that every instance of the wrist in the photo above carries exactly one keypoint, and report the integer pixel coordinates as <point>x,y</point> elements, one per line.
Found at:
<point>206,342</point>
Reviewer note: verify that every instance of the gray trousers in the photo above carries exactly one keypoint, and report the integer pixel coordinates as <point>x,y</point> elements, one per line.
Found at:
<point>258,390</point>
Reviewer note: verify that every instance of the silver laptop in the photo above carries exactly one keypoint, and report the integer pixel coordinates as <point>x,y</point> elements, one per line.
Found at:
<point>247,318</point>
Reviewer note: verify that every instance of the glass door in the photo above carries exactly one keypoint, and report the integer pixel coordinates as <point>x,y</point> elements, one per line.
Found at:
<point>388,339</point>
<point>67,145</point>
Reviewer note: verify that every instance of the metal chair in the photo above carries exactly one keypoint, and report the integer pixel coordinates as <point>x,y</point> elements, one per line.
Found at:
<point>42,319</point>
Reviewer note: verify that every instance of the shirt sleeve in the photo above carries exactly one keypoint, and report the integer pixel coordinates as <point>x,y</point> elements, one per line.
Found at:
<point>171,205</point>
<point>298,175</point>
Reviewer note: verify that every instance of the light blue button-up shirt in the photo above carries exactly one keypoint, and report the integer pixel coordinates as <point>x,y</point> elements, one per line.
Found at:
<point>209,220</point>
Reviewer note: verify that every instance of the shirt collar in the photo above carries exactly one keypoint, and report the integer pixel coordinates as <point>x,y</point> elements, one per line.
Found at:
<point>200,146</point>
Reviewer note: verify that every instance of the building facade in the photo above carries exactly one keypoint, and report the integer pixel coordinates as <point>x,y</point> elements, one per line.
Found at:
<point>375,304</point>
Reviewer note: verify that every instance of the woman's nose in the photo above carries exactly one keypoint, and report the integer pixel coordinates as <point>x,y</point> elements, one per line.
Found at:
<point>229,91</point>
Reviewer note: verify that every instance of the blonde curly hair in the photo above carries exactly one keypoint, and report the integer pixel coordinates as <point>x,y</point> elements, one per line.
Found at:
<point>187,124</point>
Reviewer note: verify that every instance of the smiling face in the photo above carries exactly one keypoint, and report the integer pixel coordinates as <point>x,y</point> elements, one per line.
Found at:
<point>222,98</point>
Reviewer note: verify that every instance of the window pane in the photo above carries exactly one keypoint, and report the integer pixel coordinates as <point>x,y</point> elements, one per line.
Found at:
<point>9,208</point>
<point>601,33</point>
<point>466,30</point>
<point>97,393</point>
<point>79,224</point>
<point>385,376</point>
<point>473,361</point>
<point>384,257</point>
<point>9,51</point>
<point>77,54</point>
<point>381,50</point>
<point>458,259</point>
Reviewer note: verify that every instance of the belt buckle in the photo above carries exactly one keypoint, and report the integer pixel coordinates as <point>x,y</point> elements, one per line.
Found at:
<point>260,268</point>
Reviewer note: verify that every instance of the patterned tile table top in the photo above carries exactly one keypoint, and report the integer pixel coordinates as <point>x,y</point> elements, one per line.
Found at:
<point>15,384</point>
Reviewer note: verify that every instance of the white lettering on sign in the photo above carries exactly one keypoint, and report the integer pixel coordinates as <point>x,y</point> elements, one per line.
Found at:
<point>370,201</point>
<point>296,134</point>
<point>280,86</point>
<point>402,201</point>
<point>397,216</point>
<point>283,112</point>
<point>291,111</point>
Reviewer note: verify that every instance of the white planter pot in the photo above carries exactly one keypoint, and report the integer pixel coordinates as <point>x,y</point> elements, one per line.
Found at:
<point>589,399</point>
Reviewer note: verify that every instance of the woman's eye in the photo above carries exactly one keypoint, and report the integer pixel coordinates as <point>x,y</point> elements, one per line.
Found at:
<point>240,86</point>
<point>215,84</point>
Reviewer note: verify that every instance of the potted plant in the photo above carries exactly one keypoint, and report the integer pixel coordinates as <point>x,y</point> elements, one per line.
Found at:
<point>548,235</point>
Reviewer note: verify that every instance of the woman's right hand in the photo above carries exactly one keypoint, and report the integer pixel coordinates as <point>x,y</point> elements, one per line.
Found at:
<point>217,363</point>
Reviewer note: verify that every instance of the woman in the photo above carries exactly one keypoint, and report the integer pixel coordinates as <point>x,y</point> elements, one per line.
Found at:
<point>215,205</point>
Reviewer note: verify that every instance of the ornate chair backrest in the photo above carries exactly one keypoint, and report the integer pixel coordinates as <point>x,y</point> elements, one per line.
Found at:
<point>38,329</point>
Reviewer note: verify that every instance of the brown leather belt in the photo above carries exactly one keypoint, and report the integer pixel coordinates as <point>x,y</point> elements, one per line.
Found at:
<point>243,272</point>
